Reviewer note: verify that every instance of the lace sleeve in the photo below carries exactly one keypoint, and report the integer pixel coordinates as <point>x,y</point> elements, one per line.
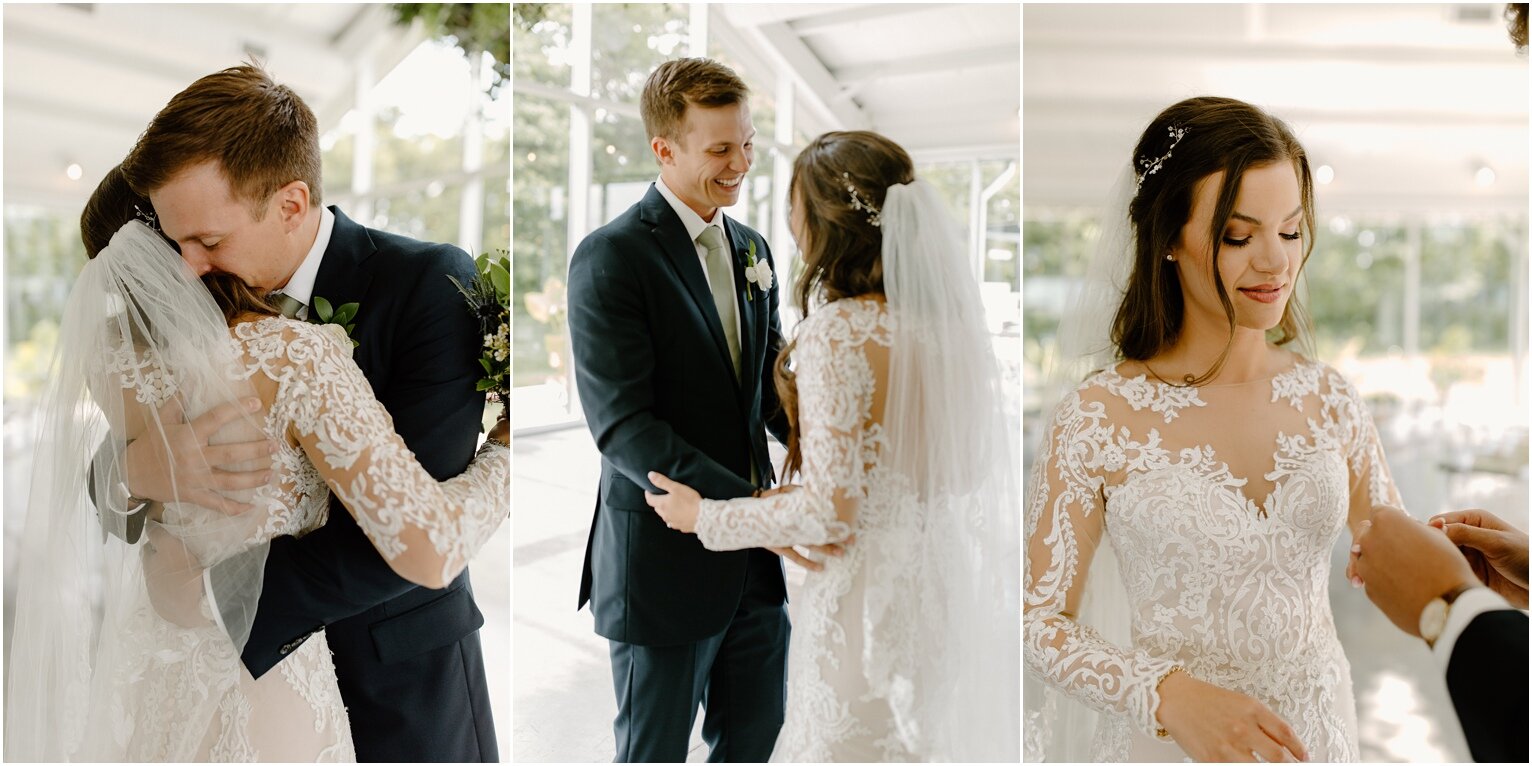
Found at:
<point>427,531</point>
<point>1064,526</point>
<point>835,390</point>
<point>1372,483</point>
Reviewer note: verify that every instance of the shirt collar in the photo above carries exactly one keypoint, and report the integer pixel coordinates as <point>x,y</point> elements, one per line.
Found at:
<point>689,218</point>
<point>301,285</point>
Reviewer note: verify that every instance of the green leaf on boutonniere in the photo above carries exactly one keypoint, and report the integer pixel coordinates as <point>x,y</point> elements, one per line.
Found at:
<point>341,317</point>
<point>323,310</point>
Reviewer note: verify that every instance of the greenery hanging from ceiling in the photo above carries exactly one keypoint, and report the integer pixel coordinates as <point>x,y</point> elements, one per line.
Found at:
<point>472,27</point>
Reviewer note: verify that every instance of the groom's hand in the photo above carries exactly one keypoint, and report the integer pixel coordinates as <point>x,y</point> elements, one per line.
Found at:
<point>173,578</point>
<point>197,466</point>
<point>822,551</point>
<point>1495,550</point>
<point>1405,564</point>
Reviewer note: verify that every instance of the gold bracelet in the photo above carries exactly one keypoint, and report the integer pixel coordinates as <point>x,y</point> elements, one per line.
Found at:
<point>1160,731</point>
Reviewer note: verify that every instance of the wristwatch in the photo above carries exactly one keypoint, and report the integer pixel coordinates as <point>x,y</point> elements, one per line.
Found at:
<point>1433,618</point>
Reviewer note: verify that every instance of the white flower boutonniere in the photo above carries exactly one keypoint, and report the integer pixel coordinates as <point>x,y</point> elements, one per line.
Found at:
<point>757,273</point>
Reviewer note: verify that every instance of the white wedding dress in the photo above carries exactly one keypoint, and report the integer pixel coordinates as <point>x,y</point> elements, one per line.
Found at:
<point>833,714</point>
<point>1222,504</point>
<point>872,629</point>
<point>178,692</point>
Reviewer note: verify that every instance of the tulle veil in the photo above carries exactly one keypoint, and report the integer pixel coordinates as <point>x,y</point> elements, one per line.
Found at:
<point>99,647</point>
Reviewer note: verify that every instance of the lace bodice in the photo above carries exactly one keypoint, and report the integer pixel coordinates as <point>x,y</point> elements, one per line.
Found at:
<point>1222,504</point>
<point>834,712</point>
<point>332,432</point>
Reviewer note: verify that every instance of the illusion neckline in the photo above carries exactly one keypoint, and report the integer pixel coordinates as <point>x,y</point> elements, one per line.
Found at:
<point>1299,362</point>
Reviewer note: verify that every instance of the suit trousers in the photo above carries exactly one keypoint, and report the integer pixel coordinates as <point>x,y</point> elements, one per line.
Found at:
<point>738,676</point>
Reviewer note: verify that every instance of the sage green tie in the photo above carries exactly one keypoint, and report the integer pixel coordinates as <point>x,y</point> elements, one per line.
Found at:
<point>720,277</point>
<point>289,305</point>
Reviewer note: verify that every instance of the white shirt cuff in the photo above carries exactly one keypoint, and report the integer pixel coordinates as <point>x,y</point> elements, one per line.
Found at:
<point>1472,603</point>
<point>212,600</point>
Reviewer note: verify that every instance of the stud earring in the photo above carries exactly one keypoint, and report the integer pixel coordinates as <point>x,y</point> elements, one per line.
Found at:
<point>1169,257</point>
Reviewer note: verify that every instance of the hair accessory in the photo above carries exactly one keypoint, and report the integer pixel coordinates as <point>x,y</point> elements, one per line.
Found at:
<point>149,218</point>
<point>874,217</point>
<point>1150,166</point>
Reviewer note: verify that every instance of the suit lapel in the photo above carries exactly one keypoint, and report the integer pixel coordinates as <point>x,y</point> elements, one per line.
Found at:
<point>670,234</point>
<point>343,276</point>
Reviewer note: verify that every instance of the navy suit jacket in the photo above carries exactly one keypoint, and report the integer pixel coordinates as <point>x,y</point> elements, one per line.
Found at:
<point>659,394</point>
<point>409,661</point>
<point>1487,678</point>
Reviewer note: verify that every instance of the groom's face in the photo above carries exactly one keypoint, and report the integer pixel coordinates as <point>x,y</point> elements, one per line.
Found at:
<point>217,231</point>
<point>706,164</point>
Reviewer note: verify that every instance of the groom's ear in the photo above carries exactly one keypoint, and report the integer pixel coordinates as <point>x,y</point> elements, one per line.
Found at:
<point>293,204</point>
<point>663,151</point>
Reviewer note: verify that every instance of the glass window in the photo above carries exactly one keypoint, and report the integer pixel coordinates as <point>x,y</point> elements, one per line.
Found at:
<point>540,263</point>
<point>542,32</point>
<point>628,40</point>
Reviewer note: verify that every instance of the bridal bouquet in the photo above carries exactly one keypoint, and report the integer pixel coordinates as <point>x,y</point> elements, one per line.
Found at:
<point>489,298</point>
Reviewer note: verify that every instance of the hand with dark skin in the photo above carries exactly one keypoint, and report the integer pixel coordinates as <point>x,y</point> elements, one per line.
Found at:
<point>1404,564</point>
<point>678,507</point>
<point>1212,723</point>
<point>197,466</point>
<point>1496,551</point>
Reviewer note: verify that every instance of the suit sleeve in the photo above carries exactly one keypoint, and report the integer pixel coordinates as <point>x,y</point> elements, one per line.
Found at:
<point>615,370</point>
<point>1487,679</point>
<point>771,405</point>
<point>335,572</point>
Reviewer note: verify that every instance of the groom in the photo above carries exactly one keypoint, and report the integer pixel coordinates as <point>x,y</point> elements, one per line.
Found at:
<point>674,351</point>
<point>232,167</point>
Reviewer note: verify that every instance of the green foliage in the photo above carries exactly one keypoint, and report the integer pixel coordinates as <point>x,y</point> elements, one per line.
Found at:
<point>472,27</point>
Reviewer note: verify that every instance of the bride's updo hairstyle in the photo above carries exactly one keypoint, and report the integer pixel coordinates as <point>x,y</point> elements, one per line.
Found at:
<point>842,249</point>
<point>1186,143</point>
<point>114,203</point>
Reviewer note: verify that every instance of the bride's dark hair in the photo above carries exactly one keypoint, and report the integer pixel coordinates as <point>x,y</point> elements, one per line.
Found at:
<point>842,249</point>
<point>114,203</point>
<point>1220,134</point>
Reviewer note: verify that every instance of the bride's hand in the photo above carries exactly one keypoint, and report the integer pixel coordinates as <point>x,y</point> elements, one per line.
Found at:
<point>678,506</point>
<point>1215,724</point>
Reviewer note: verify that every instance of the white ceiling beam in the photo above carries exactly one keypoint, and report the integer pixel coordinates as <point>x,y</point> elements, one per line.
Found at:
<point>944,61</point>
<point>72,111</point>
<point>834,20</point>
<point>1041,47</point>
<point>821,89</point>
<point>163,62</point>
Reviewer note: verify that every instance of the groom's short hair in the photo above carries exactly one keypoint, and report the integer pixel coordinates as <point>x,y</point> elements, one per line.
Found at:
<point>261,134</point>
<point>677,84</point>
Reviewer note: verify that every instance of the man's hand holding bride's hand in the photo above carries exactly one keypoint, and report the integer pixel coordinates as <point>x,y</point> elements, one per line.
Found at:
<point>197,466</point>
<point>1211,723</point>
<point>1406,563</point>
<point>1496,551</point>
<point>678,506</point>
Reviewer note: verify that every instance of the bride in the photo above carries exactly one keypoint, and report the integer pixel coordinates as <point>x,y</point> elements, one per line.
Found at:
<point>904,645</point>
<point>1220,466</point>
<point>117,654</point>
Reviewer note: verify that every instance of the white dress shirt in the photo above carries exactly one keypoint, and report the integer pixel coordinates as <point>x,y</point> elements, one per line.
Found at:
<point>300,286</point>
<point>694,226</point>
<point>1468,605</point>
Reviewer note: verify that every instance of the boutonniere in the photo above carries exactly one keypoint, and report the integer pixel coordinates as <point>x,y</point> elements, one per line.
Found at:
<point>342,317</point>
<point>757,273</point>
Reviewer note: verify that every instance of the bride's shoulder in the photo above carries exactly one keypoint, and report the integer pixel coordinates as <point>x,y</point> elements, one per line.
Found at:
<point>273,336</point>
<point>852,319</point>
